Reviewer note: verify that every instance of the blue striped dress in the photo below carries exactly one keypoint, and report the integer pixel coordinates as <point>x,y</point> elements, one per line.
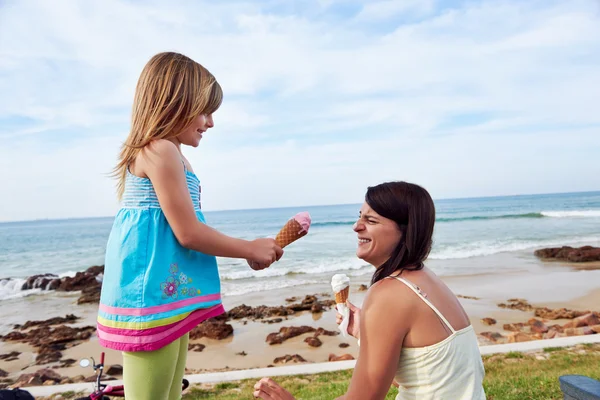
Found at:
<point>154,290</point>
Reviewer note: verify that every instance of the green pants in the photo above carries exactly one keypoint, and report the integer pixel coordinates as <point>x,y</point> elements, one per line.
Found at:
<point>155,375</point>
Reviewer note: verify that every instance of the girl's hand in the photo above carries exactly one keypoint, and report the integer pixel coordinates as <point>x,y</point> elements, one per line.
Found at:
<point>354,324</point>
<point>264,252</point>
<point>267,389</point>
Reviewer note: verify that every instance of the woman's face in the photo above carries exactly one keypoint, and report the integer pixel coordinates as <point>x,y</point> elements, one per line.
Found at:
<point>377,236</point>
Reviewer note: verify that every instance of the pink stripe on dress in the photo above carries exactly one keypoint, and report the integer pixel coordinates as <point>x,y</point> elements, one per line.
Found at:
<point>156,341</point>
<point>138,312</point>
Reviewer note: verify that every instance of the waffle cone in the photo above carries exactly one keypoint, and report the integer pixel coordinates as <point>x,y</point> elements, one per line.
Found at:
<point>342,296</point>
<point>290,232</point>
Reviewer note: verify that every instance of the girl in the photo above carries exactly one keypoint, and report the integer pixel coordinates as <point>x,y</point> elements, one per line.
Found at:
<point>161,277</point>
<point>412,329</point>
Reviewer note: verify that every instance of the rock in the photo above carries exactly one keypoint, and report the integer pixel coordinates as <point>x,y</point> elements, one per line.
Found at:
<point>242,353</point>
<point>67,363</point>
<point>316,308</point>
<point>309,303</point>
<point>589,319</point>
<point>468,297</point>
<point>492,336</point>
<point>552,333</point>
<point>518,337</point>
<point>270,321</point>
<point>115,370</point>
<point>39,378</point>
<point>48,354</point>
<point>286,333</point>
<point>289,358</point>
<point>537,326</point>
<point>212,329</point>
<point>583,330</point>
<point>321,331</point>
<point>313,341</point>
<point>198,347</point>
<point>38,281</point>
<point>516,327</point>
<point>362,288</point>
<point>559,313</point>
<point>81,280</point>
<point>595,328</point>
<point>69,318</point>
<point>567,253</point>
<point>3,373</point>
<point>488,321</point>
<point>344,345</point>
<point>12,356</point>
<point>90,294</point>
<point>344,357</point>
<point>50,341</point>
<point>517,304</point>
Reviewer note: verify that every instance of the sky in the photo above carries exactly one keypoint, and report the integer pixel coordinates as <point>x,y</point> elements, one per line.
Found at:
<point>322,98</point>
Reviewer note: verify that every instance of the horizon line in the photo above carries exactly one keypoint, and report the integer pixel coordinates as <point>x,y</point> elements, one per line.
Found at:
<point>313,205</point>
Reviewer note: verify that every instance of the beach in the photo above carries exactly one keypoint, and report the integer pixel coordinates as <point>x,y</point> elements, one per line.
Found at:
<point>553,285</point>
<point>484,249</point>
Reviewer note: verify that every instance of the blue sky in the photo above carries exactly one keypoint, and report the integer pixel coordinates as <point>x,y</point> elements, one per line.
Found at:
<point>322,98</point>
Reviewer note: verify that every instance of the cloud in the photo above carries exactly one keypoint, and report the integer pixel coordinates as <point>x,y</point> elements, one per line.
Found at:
<point>360,90</point>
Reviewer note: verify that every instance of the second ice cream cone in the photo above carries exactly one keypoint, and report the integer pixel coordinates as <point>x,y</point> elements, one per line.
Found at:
<point>342,296</point>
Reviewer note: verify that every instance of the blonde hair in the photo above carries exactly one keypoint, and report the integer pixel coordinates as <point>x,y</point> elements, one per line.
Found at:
<point>171,92</point>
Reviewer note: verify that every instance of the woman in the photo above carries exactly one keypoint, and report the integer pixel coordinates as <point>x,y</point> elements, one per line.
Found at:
<point>412,328</point>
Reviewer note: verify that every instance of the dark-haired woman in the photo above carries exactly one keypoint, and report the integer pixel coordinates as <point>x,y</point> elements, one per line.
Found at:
<point>412,328</point>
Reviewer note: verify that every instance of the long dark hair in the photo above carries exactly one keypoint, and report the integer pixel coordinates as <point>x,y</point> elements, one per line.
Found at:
<point>412,209</point>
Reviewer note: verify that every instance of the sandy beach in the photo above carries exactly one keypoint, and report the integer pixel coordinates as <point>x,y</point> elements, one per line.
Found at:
<point>553,285</point>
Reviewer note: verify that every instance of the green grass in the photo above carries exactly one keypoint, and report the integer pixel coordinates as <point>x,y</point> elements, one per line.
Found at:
<point>509,376</point>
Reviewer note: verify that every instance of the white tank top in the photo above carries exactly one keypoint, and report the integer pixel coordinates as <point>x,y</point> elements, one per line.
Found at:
<point>451,369</point>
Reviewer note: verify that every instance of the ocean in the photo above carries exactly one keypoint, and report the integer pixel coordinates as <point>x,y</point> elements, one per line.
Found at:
<point>467,231</point>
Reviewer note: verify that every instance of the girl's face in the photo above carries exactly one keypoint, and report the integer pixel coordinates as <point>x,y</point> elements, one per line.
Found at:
<point>192,135</point>
<point>377,236</point>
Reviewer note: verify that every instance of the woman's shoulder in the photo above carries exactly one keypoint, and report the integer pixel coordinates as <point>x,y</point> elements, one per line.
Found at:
<point>388,291</point>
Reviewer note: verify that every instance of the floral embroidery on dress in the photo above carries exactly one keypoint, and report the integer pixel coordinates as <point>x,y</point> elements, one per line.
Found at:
<point>176,284</point>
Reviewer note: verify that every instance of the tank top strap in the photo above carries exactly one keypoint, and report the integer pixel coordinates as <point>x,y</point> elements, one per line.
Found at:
<point>423,297</point>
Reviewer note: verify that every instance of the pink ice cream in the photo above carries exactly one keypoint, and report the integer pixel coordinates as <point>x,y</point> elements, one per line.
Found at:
<point>303,218</point>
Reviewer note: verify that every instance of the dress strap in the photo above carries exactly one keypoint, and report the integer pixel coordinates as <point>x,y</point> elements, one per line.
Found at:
<point>423,297</point>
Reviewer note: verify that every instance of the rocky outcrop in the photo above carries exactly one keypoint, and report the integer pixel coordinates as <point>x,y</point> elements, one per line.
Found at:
<point>212,329</point>
<point>12,356</point>
<point>89,282</point>
<point>516,304</point>
<point>286,333</point>
<point>265,313</point>
<point>343,357</point>
<point>570,254</point>
<point>49,341</point>
<point>313,341</point>
<point>296,358</point>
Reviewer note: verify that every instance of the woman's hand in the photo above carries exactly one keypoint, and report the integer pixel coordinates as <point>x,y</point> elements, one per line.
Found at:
<point>267,389</point>
<point>354,323</point>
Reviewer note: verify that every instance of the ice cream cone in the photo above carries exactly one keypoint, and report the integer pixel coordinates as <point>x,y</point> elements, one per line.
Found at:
<point>294,229</point>
<point>290,232</point>
<point>340,283</point>
<point>342,296</point>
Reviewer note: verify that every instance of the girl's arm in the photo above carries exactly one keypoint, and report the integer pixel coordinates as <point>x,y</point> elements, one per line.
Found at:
<point>161,162</point>
<point>384,323</point>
